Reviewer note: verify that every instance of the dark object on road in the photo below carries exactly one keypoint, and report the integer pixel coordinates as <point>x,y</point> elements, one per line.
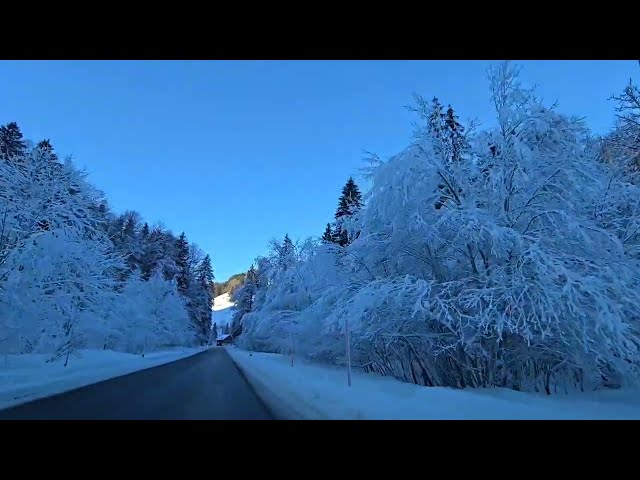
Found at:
<point>205,386</point>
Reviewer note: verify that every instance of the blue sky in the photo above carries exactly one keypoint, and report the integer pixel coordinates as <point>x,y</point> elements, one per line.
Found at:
<point>237,152</point>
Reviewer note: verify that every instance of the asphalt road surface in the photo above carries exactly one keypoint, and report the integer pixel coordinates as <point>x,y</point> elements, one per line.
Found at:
<point>205,386</point>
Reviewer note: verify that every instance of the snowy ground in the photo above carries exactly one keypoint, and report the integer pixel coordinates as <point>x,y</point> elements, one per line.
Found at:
<point>223,309</point>
<point>307,391</point>
<point>27,377</point>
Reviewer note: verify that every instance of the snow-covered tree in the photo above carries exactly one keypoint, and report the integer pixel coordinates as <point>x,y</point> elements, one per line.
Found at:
<point>202,295</point>
<point>153,315</point>
<point>74,274</point>
<point>57,292</point>
<point>40,194</point>
<point>502,258</point>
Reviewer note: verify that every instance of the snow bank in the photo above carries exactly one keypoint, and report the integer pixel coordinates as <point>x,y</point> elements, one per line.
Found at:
<point>27,377</point>
<point>308,391</point>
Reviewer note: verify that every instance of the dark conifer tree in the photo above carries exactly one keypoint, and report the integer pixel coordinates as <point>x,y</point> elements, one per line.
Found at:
<point>204,297</point>
<point>11,142</point>
<point>182,263</point>
<point>455,131</point>
<point>45,146</point>
<point>327,237</point>
<point>350,201</point>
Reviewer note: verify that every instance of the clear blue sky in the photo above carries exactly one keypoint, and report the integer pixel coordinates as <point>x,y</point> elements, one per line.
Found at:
<point>237,152</point>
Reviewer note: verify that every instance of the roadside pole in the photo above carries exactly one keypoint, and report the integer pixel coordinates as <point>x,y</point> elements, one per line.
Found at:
<point>348,336</point>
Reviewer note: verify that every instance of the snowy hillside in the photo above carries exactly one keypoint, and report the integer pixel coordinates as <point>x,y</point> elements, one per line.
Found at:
<point>223,309</point>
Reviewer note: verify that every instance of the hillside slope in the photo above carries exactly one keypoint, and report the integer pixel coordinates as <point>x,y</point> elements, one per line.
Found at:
<point>223,310</point>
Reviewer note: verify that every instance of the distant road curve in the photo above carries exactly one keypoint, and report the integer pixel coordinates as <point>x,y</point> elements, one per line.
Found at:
<point>205,386</point>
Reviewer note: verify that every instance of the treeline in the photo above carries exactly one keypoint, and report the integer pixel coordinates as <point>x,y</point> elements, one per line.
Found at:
<point>74,274</point>
<point>504,256</point>
<point>230,285</point>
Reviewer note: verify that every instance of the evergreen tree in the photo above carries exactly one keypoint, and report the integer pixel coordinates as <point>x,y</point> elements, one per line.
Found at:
<point>350,201</point>
<point>151,252</point>
<point>285,252</point>
<point>327,237</point>
<point>457,141</point>
<point>45,146</point>
<point>205,271</point>
<point>11,143</point>
<point>244,295</point>
<point>198,292</point>
<point>144,233</point>
<point>436,119</point>
<point>287,245</point>
<point>182,263</point>
<point>449,141</point>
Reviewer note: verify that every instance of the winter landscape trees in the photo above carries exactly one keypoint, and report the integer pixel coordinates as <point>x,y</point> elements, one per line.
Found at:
<point>503,256</point>
<point>74,274</point>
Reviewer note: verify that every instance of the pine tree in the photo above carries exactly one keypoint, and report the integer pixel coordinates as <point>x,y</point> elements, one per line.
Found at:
<point>449,142</point>
<point>457,141</point>
<point>144,233</point>
<point>327,237</point>
<point>285,252</point>
<point>205,272</point>
<point>243,295</point>
<point>182,263</point>
<point>203,296</point>
<point>45,146</point>
<point>436,119</point>
<point>350,201</point>
<point>152,250</point>
<point>11,143</point>
<point>287,245</point>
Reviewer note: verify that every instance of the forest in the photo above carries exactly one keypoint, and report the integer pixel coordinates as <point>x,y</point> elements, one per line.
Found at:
<point>74,274</point>
<point>503,255</point>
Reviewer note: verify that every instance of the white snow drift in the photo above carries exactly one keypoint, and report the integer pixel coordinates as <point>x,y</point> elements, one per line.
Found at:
<point>313,392</point>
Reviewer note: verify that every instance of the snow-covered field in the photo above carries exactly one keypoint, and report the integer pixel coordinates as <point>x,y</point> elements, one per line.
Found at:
<point>223,309</point>
<point>307,391</point>
<point>27,377</point>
